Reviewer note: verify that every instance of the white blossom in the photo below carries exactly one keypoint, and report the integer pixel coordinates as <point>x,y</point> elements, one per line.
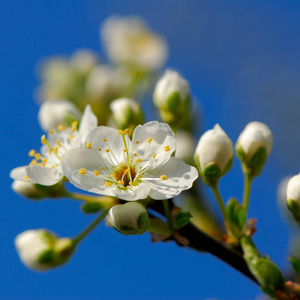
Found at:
<point>45,167</point>
<point>214,147</point>
<point>130,41</point>
<point>109,163</point>
<point>293,189</point>
<point>54,113</point>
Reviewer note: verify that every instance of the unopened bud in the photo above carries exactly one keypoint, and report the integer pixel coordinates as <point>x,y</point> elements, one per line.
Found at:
<point>126,113</point>
<point>172,97</point>
<point>54,113</point>
<point>253,147</point>
<point>27,189</point>
<point>293,196</point>
<point>129,218</point>
<point>41,250</point>
<point>214,154</point>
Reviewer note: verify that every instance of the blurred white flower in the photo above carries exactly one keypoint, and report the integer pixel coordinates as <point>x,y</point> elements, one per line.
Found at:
<point>109,163</point>
<point>293,189</point>
<point>83,60</point>
<point>54,113</point>
<point>45,167</point>
<point>26,189</point>
<point>129,41</point>
<point>185,146</point>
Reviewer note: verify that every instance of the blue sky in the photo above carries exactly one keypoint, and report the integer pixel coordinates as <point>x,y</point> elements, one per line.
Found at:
<point>242,59</point>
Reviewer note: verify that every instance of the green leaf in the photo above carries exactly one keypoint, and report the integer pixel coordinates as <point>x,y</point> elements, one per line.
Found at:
<point>182,219</point>
<point>159,226</point>
<point>296,264</point>
<point>237,217</point>
<point>91,207</point>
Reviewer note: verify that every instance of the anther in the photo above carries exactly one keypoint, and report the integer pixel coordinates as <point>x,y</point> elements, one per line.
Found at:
<point>135,154</point>
<point>150,140</point>
<point>43,139</point>
<point>55,149</point>
<point>96,172</point>
<point>120,131</point>
<point>51,131</point>
<point>71,137</point>
<point>82,171</point>
<point>136,142</point>
<point>26,177</point>
<point>124,150</point>
<point>107,150</point>
<point>50,151</point>
<point>52,167</point>
<point>138,160</point>
<point>58,143</point>
<point>101,168</point>
<point>121,182</point>
<point>37,156</point>
<point>31,153</point>
<point>104,140</point>
<point>131,183</point>
<point>44,160</point>
<point>33,162</point>
<point>99,149</point>
<point>61,127</point>
<point>74,125</point>
<point>126,130</point>
<point>107,183</point>
<point>163,177</point>
<point>89,145</point>
<point>167,148</point>
<point>154,155</point>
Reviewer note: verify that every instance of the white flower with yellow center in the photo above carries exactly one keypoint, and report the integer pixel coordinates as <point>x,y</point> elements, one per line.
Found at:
<point>45,167</point>
<point>109,163</point>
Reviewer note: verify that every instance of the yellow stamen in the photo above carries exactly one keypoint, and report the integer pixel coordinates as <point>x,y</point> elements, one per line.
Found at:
<point>107,183</point>
<point>113,175</point>
<point>124,150</point>
<point>82,171</point>
<point>154,155</point>
<point>136,142</point>
<point>52,167</point>
<point>33,162</point>
<point>39,164</point>
<point>26,177</point>
<point>89,145</point>
<point>107,150</point>
<point>38,156</point>
<point>74,125</point>
<point>163,177</point>
<point>55,149</point>
<point>167,148</point>
<point>50,151</point>
<point>99,149</point>
<point>51,131</point>
<point>61,127</point>
<point>121,182</point>
<point>120,131</point>
<point>126,130</point>
<point>104,140</point>
<point>44,160</point>
<point>135,154</point>
<point>71,137</point>
<point>43,139</point>
<point>31,153</point>
<point>138,160</point>
<point>96,172</point>
<point>101,168</point>
<point>150,140</point>
<point>126,171</point>
<point>58,143</point>
<point>131,183</point>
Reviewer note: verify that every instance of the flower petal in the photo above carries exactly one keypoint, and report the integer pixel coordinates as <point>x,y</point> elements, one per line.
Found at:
<point>88,122</point>
<point>18,173</point>
<point>153,138</point>
<point>44,175</point>
<point>180,176</point>
<point>133,194</point>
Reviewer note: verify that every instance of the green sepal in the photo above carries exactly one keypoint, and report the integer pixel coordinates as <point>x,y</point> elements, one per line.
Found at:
<point>295,263</point>
<point>240,153</point>
<point>237,217</point>
<point>228,166</point>
<point>211,174</point>
<point>257,161</point>
<point>294,208</point>
<point>173,102</point>
<point>52,191</point>
<point>182,219</point>
<point>47,257</point>
<point>159,226</point>
<point>91,207</point>
<point>143,222</point>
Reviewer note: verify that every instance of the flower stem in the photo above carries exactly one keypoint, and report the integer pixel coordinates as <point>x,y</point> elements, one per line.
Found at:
<point>216,192</point>
<point>168,213</point>
<point>247,189</point>
<point>89,228</point>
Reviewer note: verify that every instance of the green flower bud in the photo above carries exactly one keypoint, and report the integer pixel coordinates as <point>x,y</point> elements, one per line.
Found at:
<point>41,250</point>
<point>27,189</point>
<point>126,113</point>
<point>253,147</point>
<point>214,155</point>
<point>130,218</point>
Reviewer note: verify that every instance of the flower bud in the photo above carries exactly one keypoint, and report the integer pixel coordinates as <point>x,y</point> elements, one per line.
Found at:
<point>41,250</point>
<point>83,60</point>
<point>54,113</point>
<point>253,147</point>
<point>214,154</point>
<point>129,218</point>
<point>172,97</point>
<point>27,189</point>
<point>127,113</point>
<point>293,196</point>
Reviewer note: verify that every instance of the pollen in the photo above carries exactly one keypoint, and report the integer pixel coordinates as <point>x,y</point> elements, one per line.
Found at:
<point>99,149</point>
<point>113,175</point>
<point>138,160</point>
<point>120,131</point>
<point>131,183</point>
<point>33,162</point>
<point>124,150</point>
<point>61,127</point>
<point>135,154</point>
<point>101,168</point>
<point>121,182</point>
<point>82,171</point>
<point>107,183</point>
<point>52,167</point>
<point>107,150</point>
<point>31,153</point>
<point>71,137</point>
<point>150,140</point>
<point>43,139</point>
<point>51,131</point>
<point>58,143</point>
<point>50,151</point>
<point>44,160</point>
<point>74,125</point>
<point>126,171</point>
<point>163,177</point>
<point>136,142</point>
<point>126,130</point>
<point>96,172</point>
<point>26,177</point>
<point>55,149</point>
<point>167,148</point>
<point>89,145</point>
<point>104,140</point>
<point>154,155</point>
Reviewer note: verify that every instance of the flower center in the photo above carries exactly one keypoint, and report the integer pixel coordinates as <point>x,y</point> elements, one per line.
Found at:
<point>123,176</point>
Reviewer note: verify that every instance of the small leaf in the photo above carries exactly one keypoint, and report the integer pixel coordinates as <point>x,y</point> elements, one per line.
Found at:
<point>237,216</point>
<point>91,207</point>
<point>182,219</point>
<point>159,226</point>
<point>296,264</point>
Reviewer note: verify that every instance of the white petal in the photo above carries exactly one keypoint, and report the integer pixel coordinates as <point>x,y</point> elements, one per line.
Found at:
<point>88,122</point>
<point>44,175</point>
<point>114,143</point>
<point>130,194</point>
<point>161,135</point>
<point>18,173</point>
<point>180,176</point>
